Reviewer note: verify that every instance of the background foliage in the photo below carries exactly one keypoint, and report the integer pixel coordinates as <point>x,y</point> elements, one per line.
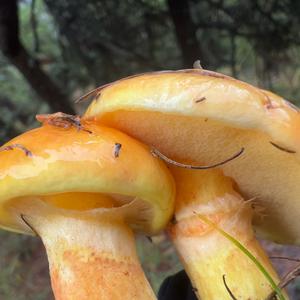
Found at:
<point>52,51</point>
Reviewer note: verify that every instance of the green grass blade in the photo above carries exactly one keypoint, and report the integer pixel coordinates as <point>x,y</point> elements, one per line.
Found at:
<point>247,253</point>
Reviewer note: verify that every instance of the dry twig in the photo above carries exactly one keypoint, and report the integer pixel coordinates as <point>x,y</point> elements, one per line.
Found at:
<point>16,146</point>
<point>158,154</point>
<point>117,149</point>
<point>63,120</point>
<point>228,289</point>
<point>281,148</point>
<point>285,281</point>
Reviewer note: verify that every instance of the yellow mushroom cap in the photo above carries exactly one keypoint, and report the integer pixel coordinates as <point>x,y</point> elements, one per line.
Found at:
<point>202,117</point>
<point>67,167</point>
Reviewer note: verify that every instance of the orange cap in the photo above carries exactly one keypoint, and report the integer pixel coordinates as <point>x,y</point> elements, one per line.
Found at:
<point>203,117</point>
<point>102,163</point>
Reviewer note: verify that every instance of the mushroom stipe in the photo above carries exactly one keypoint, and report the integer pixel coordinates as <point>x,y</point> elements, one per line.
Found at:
<point>163,157</point>
<point>17,146</point>
<point>276,288</point>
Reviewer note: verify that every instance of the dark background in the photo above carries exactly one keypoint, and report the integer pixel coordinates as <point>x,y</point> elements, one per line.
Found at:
<point>52,51</point>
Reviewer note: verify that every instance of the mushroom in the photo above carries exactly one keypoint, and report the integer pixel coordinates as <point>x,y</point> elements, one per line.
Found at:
<point>84,192</point>
<point>199,117</point>
<point>207,205</point>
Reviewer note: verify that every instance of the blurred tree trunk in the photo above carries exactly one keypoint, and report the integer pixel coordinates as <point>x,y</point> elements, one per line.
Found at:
<point>13,49</point>
<point>96,49</point>
<point>80,45</point>
<point>185,32</point>
<point>17,116</point>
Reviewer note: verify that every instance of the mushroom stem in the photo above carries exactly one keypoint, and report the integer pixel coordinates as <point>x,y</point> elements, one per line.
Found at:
<point>91,259</point>
<point>217,268</point>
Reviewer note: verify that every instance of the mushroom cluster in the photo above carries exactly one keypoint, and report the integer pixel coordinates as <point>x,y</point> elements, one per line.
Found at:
<point>84,185</point>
